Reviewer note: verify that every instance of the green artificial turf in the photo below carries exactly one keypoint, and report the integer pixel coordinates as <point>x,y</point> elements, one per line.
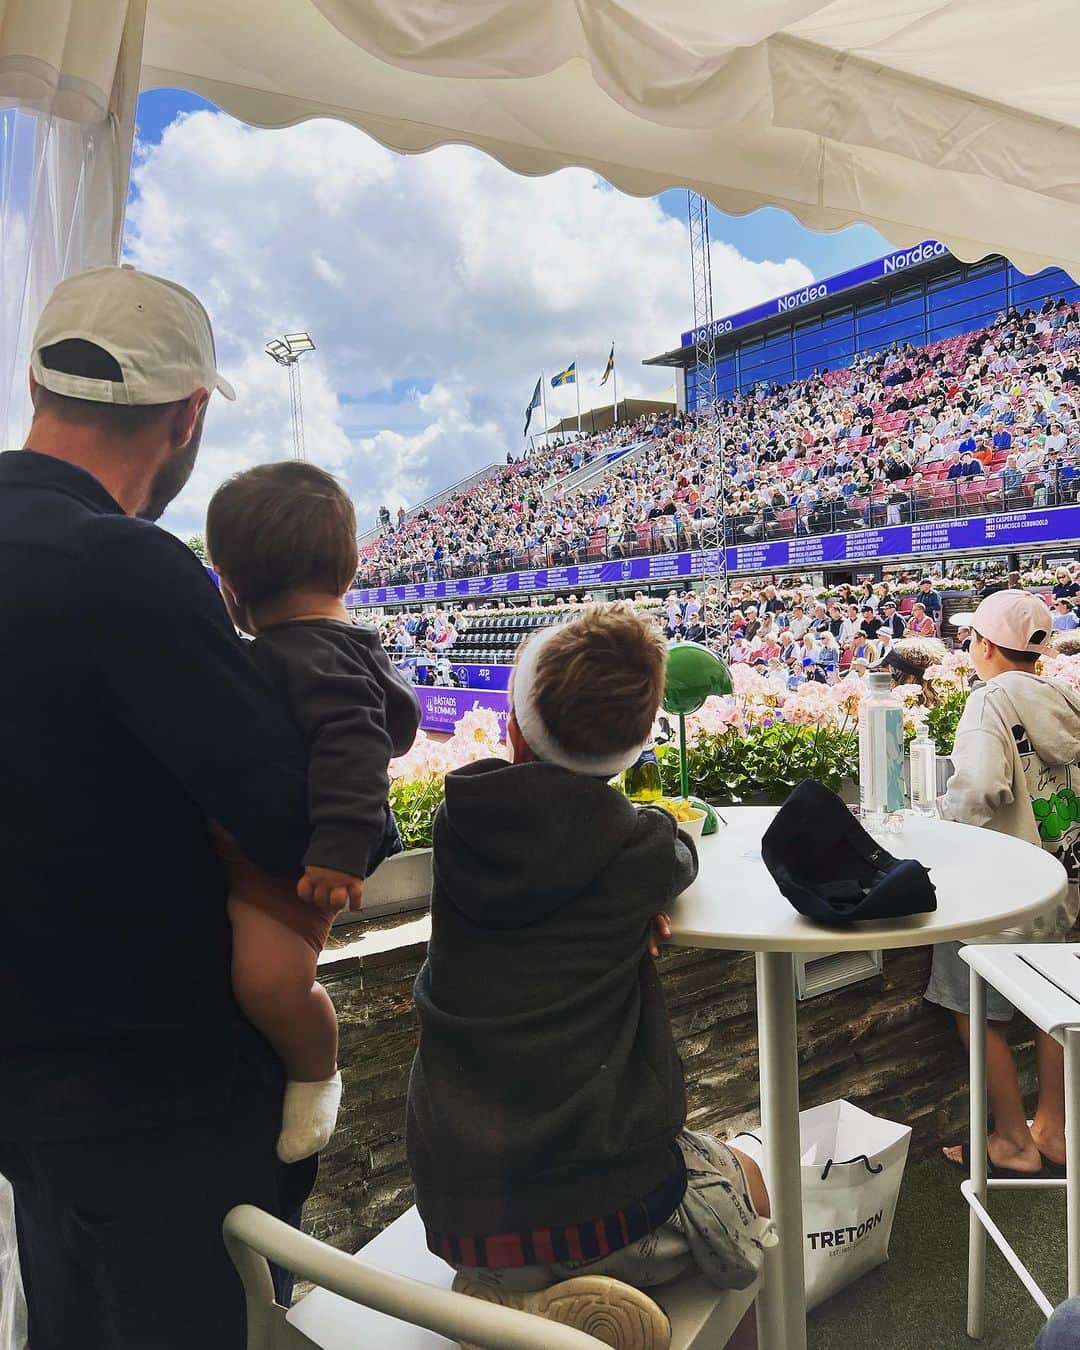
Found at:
<point>918,1299</point>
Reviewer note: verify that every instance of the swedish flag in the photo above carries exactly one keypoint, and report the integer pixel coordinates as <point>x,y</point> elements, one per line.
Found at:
<point>567,376</point>
<point>609,368</point>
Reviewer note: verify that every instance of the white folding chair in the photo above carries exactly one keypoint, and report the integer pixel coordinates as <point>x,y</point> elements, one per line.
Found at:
<point>1042,980</point>
<point>254,1237</point>
<point>334,1317</point>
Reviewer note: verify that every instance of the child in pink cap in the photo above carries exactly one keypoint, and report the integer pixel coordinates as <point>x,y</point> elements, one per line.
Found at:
<point>1015,761</point>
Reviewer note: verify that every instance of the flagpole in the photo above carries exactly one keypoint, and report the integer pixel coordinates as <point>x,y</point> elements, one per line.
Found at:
<point>615,388</point>
<point>577,386</point>
<point>543,399</point>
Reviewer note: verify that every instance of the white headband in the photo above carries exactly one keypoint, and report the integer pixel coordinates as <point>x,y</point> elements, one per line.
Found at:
<point>539,739</point>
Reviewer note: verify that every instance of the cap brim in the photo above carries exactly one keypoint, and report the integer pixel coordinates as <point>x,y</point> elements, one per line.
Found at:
<point>225,389</point>
<point>963,620</point>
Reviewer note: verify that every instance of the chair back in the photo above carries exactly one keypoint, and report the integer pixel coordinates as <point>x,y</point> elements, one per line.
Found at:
<point>254,1238</point>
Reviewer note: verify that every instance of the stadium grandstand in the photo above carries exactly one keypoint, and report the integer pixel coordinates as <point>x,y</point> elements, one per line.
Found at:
<point>935,413</point>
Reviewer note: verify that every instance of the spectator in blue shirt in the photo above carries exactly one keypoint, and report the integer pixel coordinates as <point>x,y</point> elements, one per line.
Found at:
<point>1002,439</point>
<point>967,466</point>
<point>967,445</point>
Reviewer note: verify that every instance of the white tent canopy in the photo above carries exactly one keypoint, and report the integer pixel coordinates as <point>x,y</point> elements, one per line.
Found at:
<point>957,119</point>
<point>952,119</point>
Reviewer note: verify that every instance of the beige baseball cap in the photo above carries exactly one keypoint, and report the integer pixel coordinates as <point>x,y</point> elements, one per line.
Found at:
<point>158,333</point>
<point>1016,620</point>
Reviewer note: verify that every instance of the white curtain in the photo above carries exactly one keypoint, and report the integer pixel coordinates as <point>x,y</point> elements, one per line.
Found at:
<point>67,116</point>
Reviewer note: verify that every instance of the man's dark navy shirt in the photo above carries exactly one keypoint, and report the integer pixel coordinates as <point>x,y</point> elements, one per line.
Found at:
<point>129,718</point>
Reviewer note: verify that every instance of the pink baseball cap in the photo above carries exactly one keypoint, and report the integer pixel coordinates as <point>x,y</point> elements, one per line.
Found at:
<point>1016,620</point>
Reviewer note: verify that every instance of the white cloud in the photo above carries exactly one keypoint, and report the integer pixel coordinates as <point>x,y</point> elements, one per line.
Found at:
<point>441,273</point>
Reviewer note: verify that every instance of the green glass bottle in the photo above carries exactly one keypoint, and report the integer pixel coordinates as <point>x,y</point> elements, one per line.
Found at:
<point>641,781</point>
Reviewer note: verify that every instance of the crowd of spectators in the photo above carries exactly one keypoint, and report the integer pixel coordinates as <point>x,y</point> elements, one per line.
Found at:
<point>986,421</point>
<point>781,624</point>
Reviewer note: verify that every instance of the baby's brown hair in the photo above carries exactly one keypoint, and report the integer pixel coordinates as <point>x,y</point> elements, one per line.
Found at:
<point>281,526</point>
<point>600,679</point>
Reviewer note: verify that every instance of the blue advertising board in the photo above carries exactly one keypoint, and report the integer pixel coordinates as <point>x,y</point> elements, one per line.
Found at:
<point>899,261</point>
<point>483,677</point>
<point>441,708</point>
<point>1014,530</point>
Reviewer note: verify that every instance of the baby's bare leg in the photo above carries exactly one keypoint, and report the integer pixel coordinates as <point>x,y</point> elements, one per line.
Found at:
<point>273,974</point>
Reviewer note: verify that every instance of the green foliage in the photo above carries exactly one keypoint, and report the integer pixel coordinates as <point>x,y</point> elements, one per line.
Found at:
<point>414,803</point>
<point>942,719</point>
<point>197,544</point>
<point>764,764</point>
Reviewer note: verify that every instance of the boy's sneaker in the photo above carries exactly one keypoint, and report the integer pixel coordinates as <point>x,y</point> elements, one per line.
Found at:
<point>617,1314</point>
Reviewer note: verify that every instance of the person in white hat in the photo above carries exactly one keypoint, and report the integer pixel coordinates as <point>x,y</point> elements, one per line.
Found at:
<point>1015,770</point>
<point>137,1106</point>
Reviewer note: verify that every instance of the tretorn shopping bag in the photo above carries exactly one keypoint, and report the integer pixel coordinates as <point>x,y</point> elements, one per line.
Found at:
<point>852,1167</point>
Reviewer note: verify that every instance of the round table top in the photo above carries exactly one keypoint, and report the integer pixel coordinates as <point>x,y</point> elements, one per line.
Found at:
<point>985,881</point>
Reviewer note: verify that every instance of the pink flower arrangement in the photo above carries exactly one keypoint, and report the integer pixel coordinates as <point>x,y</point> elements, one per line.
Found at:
<point>476,736</point>
<point>1064,668</point>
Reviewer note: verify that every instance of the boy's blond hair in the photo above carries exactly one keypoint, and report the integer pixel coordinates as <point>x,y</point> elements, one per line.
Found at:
<point>600,679</point>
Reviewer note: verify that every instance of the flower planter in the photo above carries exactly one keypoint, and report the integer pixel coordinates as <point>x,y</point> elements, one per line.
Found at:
<point>400,883</point>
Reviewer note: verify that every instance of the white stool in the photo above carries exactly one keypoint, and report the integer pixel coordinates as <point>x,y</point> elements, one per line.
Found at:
<point>1043,981</point>
<point>700,1315</point>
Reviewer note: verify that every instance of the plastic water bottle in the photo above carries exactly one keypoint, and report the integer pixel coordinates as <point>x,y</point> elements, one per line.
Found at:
<point>881,757</point>
<point>923,766</point>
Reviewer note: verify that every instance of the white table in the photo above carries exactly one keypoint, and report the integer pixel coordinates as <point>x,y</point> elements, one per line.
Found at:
<point>985,882</point>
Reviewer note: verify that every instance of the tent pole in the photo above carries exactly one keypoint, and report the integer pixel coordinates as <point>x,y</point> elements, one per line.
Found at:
<point>543,398</point>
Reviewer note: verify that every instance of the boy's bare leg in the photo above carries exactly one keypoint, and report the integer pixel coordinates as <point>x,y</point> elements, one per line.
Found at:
<point>1048,1127</point>
<point>1011,1144</point>
<point>273,974</point>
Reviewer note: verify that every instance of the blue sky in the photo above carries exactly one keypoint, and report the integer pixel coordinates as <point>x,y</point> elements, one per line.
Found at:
<point>437,288</point>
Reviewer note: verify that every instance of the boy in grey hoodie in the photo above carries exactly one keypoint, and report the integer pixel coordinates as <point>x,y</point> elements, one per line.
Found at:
<point>1016,771</point>
<point>546,1112</point>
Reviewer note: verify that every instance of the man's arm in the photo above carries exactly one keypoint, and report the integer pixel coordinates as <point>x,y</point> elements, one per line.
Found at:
<point>173,672</point>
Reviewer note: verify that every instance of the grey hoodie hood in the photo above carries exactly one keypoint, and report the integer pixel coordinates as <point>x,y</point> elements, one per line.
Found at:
<point>1048,710</point>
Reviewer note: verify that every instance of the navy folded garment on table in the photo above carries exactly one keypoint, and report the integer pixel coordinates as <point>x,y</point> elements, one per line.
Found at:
<point>831,870</point>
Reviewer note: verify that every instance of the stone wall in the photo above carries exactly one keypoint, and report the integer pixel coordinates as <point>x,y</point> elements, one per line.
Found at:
<point>876,1043</point>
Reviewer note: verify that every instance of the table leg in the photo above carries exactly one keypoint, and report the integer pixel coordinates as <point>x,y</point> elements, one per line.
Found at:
<point>782,1301</point>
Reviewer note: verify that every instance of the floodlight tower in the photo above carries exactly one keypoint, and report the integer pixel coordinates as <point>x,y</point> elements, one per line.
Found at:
<point>287,351</point>
<point>714,528</point>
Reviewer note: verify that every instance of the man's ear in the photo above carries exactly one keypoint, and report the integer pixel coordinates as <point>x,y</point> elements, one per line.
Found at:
<point>188,414</point>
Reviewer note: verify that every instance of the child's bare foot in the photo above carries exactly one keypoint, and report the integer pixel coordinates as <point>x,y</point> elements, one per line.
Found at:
<point>308,1117</point>
<point>1003,1153</point>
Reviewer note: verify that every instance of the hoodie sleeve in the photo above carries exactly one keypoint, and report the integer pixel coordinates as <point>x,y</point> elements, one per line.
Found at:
<point>982,760</point>
<point>683,867</point>
<point>353,719</point>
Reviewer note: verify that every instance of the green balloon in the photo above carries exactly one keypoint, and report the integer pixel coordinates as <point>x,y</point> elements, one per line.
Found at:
<point>693,673</point>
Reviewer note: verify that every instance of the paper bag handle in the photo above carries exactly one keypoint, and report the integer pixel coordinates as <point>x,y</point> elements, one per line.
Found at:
<point>872,1168</point>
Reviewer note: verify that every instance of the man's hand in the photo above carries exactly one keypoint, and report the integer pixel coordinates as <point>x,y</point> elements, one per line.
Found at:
<point>659,931</point>
<point>330,889</point>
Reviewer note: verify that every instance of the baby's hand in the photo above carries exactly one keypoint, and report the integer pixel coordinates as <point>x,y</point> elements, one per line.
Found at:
<point>330,889</point>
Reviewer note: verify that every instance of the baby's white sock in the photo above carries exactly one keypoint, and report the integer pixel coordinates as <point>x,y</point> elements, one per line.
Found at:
<point>308,1117</point>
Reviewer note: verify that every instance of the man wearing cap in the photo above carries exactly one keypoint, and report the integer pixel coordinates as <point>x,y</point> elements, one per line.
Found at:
<point>136,1104</point>
<point>892,620</point>
<point>1015,771</point>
